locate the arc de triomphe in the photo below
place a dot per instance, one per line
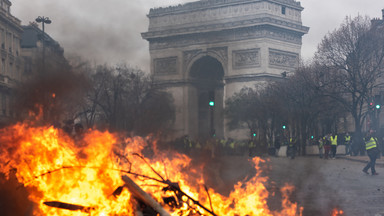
(205, 51)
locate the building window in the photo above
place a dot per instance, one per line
(27, 66)
(4, 104)
(2, 38)
(10, 71)
(283, 9)
(3, 66)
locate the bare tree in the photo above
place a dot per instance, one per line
(294, 102)
(244, 108)
(305, 106)
(126, 99)
(352, 57)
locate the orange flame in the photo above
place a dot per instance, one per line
(337, 212)
(86, 172)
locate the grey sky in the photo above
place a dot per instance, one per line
(109, 31)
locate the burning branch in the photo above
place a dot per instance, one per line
(153, 170)
(143, 196)
(98, 168)
(176, 189)
(209, 197)
(69, 206)
(134, 189)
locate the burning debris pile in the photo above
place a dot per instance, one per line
(105, 174)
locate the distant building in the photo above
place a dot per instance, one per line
(11, 61)
(377, 22)
(203, 52)
(32, 51)
(21, 52)
(376, 119)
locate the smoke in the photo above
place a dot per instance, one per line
(56, 94)
(109, 32)
(97, 30)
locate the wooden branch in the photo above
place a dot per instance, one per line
(143, 196)
(69, 206)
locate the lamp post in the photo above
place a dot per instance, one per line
(46, 98)
(43, 20)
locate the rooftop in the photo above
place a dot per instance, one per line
(214, 3)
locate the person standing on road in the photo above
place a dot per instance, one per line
(291, 150)
(372, 151)
(347, 144)
(327, 145)
(277, 145)
(334, 145)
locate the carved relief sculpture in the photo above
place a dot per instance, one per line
(165, 65)
(246, 58)
(283, 59)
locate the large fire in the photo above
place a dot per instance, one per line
(83, 176)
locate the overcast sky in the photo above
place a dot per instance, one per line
(109, 31)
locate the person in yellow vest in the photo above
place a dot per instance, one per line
(291, 149)
(372, 151)
(334, 145)
(223, 146)
(347, 144)
(251, 147)
(231, 146)
(187, 144)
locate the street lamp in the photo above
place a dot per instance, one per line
(43, 20)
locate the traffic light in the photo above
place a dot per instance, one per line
(377, 100)
(371, 106)
(254, 134)
(284, 127)
(211, 97)
(312, 137)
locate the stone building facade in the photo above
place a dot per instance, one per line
(11, 61)
(35, 58)
(21, 54)
(205, 51)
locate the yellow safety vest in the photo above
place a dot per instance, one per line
(223, 142)
(291, 142)
(321, 143)
(232, 145)
(347, 138)
(251, 144)
(370, 144)
(334, 140)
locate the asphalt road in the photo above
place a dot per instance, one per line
(321, 185)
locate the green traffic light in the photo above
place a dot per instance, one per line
(284, 127)
(311, 137)
(211, 103)
(254, 134)
(377, 106)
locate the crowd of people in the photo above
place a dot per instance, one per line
(327, 145)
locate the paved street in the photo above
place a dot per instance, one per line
(321, 185)
(325, 184)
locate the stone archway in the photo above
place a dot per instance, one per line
(191, 45)
(206, 75)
